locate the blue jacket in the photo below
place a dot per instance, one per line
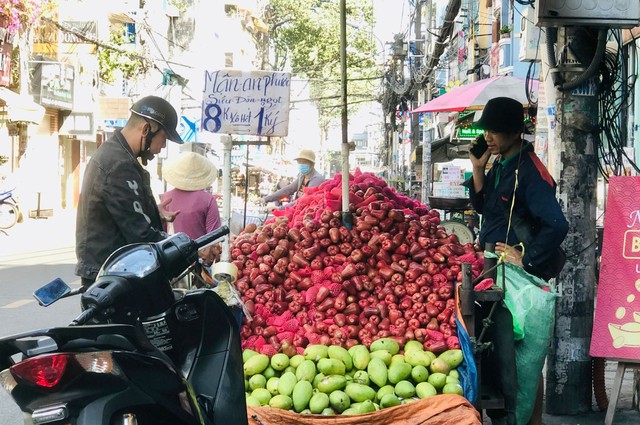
(535, 201)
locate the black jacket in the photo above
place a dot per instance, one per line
(116, 206)
(535, 202)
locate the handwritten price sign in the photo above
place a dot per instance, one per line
(246, 102)
(616, 327)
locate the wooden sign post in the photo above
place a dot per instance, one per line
(616, 326)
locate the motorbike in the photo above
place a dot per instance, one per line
(139, 353)
(9, 210)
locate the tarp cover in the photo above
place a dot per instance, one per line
(445, 409)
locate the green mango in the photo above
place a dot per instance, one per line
(328, 412)
(331, 367)
(388, 344)
(339, 353)
(438, 380)
(255, 364)
(419, 374)
(398, 372)
(362, 377)
(306, 371)
(279, 361)
(257, 381)
(405, 389)
(296, 360)
(247, 354)
(387, 389)
(359, 392)
(272, 385)
(452, 389)
(384, 355)
(281, 402)
(452, 357)
(262, 395)
(417, 357)
(316, 352)
(316, 379)
(339, 401)
(425, 389)
(413, 345)
(286, 383)
(330, 384)
(366, 406)
(377, 371)
(389, 400)
(302, 393)
(319, 401)
(252, 401)
(360, 356)
(440, 366)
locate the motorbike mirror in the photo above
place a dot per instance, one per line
(51, 292)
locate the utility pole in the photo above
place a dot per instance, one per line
(426, 136)
(569, 364)
(415, 118)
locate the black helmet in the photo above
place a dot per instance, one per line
(159, 110)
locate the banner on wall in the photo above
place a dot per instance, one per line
(616, 326)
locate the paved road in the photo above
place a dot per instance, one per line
(31, 254)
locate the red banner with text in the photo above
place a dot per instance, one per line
(616, 326)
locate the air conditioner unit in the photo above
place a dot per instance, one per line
(530, 38)
(598, 13)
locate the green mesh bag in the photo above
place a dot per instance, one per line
(533, 311)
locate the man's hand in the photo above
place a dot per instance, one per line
(167, 216)
(513, 255)
(210, 254)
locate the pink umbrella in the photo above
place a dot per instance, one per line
(475, 95)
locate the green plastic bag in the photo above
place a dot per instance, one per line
(533, 311)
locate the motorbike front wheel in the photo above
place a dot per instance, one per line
(8, 215)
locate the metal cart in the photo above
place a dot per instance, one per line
(468, 299)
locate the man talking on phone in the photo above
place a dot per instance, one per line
(518, 173)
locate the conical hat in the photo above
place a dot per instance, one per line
(189, 171)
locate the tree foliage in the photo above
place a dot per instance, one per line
(22, 14)
(305, 38)
(110, 60)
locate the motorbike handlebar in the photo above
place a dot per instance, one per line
(85, 316)
(211, 237)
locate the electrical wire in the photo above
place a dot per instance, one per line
(613, 100)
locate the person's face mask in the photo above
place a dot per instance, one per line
(304, 168)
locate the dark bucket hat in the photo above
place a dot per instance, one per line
(159, 110)
(503, 115)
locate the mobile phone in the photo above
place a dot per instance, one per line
(479, 147)
(51, 292)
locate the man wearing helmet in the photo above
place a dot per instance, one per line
(116, 205)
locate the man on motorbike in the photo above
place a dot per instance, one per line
(116, 205)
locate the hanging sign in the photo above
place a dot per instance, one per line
(616, 326)
(246, 102)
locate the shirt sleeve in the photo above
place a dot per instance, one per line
(316, 180)
(544, 209)
(476, 198)
(288, 190)
(126, 201)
